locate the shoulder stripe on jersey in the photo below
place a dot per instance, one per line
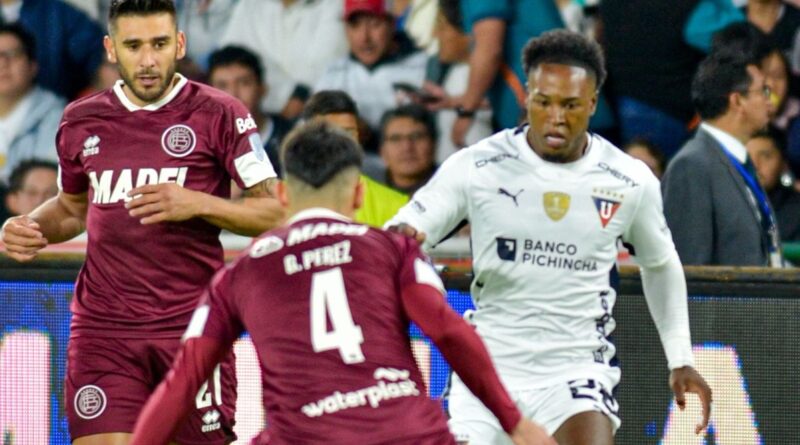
(198, 323)
(426, 274)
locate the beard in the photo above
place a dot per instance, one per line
(152, 94)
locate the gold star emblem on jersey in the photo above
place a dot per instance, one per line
(556, 205)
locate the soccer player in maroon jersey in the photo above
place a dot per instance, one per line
(327, 302)
(145, 169)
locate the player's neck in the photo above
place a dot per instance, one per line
(295, 208)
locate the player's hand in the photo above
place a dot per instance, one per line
(409, 231)
(23, 238)
(687, 379)
(459, 132)
(157, 203)
(529, 433)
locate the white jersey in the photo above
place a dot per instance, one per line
(544, 240)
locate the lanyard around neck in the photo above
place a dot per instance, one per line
(752, 184)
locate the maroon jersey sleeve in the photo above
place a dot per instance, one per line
(71, 176)
(216, 315)
(214, 327)
(424, 302)
(240, 148)
(171, 402)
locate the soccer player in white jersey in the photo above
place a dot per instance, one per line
(547, 203)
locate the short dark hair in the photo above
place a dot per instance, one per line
(121, 8)
(416, 112)
(236, 55)
(315, 152)
(565, 47)
(328, 102)
(775, 135)
(719, 75)
(741, 38)
(451, 11)
(23, 168)
(27, 39)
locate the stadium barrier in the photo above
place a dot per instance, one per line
(745, 330)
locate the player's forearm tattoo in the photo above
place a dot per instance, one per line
(264, 189)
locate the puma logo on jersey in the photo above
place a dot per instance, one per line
(505, 192)
(111, 187)
(244, 124)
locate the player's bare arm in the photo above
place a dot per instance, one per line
(251, 216)
(687, 379)
(61, 218)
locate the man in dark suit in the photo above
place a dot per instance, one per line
(717, 211)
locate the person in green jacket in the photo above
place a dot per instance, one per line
(336, 107)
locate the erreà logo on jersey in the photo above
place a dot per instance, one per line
(607, 204)
(111, 187)
(244, 124)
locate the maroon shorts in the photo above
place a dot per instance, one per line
(109, 380)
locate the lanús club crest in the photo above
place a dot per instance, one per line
(178, 140)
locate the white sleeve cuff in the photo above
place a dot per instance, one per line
(678, 349)
(665, 291)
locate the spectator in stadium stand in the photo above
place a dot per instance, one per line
(29, 114)
(449, 80)
(32, 183)
(647, 152)
(358, 382)
(158, 153)
(69, 45)
(650, 69)
(778, 19)
(500, 30)
(408, 147)
(745, 37)
(380, 202)
(547, 203)
(294, 39)
(716, 209)
(204, 22)
(765, 150)
(238, 72)
(379, 59)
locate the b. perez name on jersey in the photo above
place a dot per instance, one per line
(551, 254)
(111, 187)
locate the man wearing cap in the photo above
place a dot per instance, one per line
(380, 57)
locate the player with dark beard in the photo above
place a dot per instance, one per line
(145, 169)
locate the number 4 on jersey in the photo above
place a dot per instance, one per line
(329, 301)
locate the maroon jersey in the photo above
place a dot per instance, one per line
(321, 300)
(144, 280)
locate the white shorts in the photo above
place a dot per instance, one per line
(550, 406)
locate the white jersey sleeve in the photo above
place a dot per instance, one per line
(663, 280)
(438, 207)
(648, 231)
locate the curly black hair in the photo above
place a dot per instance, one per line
(566, 48)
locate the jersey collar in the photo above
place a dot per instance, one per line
(528, 152)
(130, 106)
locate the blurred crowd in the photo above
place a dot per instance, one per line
(425, 78)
